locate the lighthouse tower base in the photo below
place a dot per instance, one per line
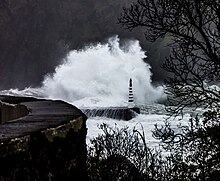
(131, 105)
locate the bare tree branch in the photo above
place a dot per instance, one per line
(192, 27)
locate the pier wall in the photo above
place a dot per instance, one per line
(49, 143)
(120, 113)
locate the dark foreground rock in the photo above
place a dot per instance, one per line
(49, 143)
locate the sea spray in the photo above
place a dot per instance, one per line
(99, 75)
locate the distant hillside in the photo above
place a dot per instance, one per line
(36, 34)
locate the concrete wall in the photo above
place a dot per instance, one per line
(49, 144)
(55, 154)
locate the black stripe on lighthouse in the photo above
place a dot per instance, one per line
(130, 96)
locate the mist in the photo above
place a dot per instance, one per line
(35, 36)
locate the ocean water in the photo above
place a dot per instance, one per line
(98, 76)
(145, 121)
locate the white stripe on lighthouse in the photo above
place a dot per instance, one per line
(130, 95)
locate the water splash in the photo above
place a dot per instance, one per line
(99, 75)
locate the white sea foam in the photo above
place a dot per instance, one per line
(99, 76)
(142, 122)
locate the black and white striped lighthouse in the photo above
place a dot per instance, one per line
(130, 95)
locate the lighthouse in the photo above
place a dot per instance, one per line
(130, 95)
(121, 113)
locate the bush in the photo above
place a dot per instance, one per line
(192, 153)
(122, 154)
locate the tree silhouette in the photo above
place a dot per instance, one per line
(192, 30)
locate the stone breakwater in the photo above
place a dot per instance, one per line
(44, 140)
(120, 113)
